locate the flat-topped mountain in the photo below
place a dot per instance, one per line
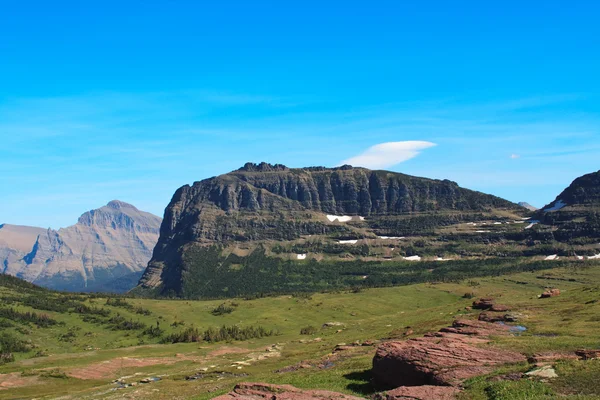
(276, 209)
(107, 249)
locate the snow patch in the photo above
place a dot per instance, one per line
(390, 237)
(557, 206)
(301, 256)
(482, 231)
(552, 257)
(361, 218)
(497, 223)
(339, 218)
(579, 257)
(596, 257)
(413, 258)
(347, 241)
(531, 224)
(442, 259)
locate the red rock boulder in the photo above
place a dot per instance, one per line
(445, 358)
(435, 361)
(550, 293)
(257, 391)
(426, 392)
(483, 303)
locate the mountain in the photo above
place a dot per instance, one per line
(111, 243)
(15, 242)
(582, 192)
(527, 206)
(265, 213)
(575, 213)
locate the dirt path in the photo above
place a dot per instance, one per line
(111, 368)
(14, 380)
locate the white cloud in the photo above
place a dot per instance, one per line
(514, 156)
(385, 155)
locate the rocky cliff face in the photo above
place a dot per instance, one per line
(272, 202)
(106, 244)
(575, 213)
(583, 191)
(16, 242)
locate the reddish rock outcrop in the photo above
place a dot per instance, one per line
(550, 293)
(426, 392)
(483, 303)
(257, 391)
(588, 354)
(445, 358)
(550, 357)
(499, 308)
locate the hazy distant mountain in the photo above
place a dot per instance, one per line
(111, 243)
(15, 242)
(527, 206)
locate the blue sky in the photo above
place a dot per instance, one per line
(130, 100)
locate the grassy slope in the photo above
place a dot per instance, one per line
(567, 322)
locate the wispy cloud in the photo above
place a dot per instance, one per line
(388, 154)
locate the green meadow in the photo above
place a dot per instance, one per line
(82, 353)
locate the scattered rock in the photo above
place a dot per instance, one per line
(426, 392)
(550, 293)
(546, 372)
(499, 308)
(484, 303)
(332, 324)
(550, 357)
(257, 391)
(588, 354)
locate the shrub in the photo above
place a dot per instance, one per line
(120, 323)
(41, 320)
(225, 333)
(222, 309)
(308, 330)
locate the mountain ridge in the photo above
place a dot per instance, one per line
(106, 243)
(261, 202)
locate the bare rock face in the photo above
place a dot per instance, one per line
(446, 358)
(15, 242)
(108, 249)
(550, 293)
(257, 391)
(426, 392)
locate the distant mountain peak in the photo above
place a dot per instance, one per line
(113, 241)
(118, 204)
(528, 206)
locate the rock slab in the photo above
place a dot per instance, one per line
(446, 358)
(257, 391)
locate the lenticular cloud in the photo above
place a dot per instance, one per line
(385, 155)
